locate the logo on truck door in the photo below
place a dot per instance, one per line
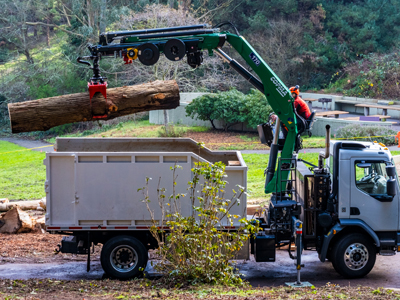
(255, 59)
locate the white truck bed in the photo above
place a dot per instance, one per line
(92, 183)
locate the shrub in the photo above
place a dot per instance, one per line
(257, 108)
(231, 107)
(373, 76)
(380, 134)
(194, 250)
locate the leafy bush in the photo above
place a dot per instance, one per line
(194, 250)
(373, 76)
(231, 107)
(380, 134)
(257, 108)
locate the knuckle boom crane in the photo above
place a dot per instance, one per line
(176, 42)
(347, 209)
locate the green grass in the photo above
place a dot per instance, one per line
(313, 142)
(255, 174)
(256, 164)
(141, 128)
(22, 172)
(253, 143)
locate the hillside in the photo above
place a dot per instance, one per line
(342, 47)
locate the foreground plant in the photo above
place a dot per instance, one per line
(195, 248)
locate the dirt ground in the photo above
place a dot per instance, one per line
(215, 140)
(35, 248)
(39, 273)
(146, 289)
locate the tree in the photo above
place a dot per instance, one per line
(366, 26)
(212, 75)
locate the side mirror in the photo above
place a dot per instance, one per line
(391, 187)
(391, 171)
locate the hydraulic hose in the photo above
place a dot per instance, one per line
(273, 154)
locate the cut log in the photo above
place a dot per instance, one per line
(4, 200)
(39, 225)
(24, 205)
(253, 209)
(43, 114)
(16, 221)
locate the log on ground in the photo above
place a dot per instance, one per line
(24, 205)
(16, 221)
(43, 114)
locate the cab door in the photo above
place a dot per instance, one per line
(368, 197)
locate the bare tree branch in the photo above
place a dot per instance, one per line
(53, 25)
(226, 4)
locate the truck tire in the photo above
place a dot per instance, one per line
(124, 257)
(353, 256)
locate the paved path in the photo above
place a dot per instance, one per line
(30, 144)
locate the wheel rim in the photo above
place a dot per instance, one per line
(124, 258)
(356, 256)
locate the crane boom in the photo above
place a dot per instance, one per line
(176, 42)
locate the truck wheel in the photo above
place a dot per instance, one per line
(124, 257)
(353, 256)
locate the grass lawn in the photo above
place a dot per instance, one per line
(253, 143)
(141, 128)
(255, 174)
(22, 172)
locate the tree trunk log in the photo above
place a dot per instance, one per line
(43, 114)
(16, 221)
(23, 205)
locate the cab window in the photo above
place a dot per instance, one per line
(371, 177)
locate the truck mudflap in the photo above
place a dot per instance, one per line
(343, 223)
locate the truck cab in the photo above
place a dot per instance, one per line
(359, 217)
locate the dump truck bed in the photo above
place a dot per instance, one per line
(93, 183)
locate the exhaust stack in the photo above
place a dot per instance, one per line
(325, 155)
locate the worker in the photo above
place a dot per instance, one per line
(300, 106)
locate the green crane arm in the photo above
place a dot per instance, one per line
(147, 45)
(278, 96)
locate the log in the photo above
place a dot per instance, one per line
(252, 209)
(43, 114)
(39, 224)
(24, 205)
(16, 221)
(4, 200)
